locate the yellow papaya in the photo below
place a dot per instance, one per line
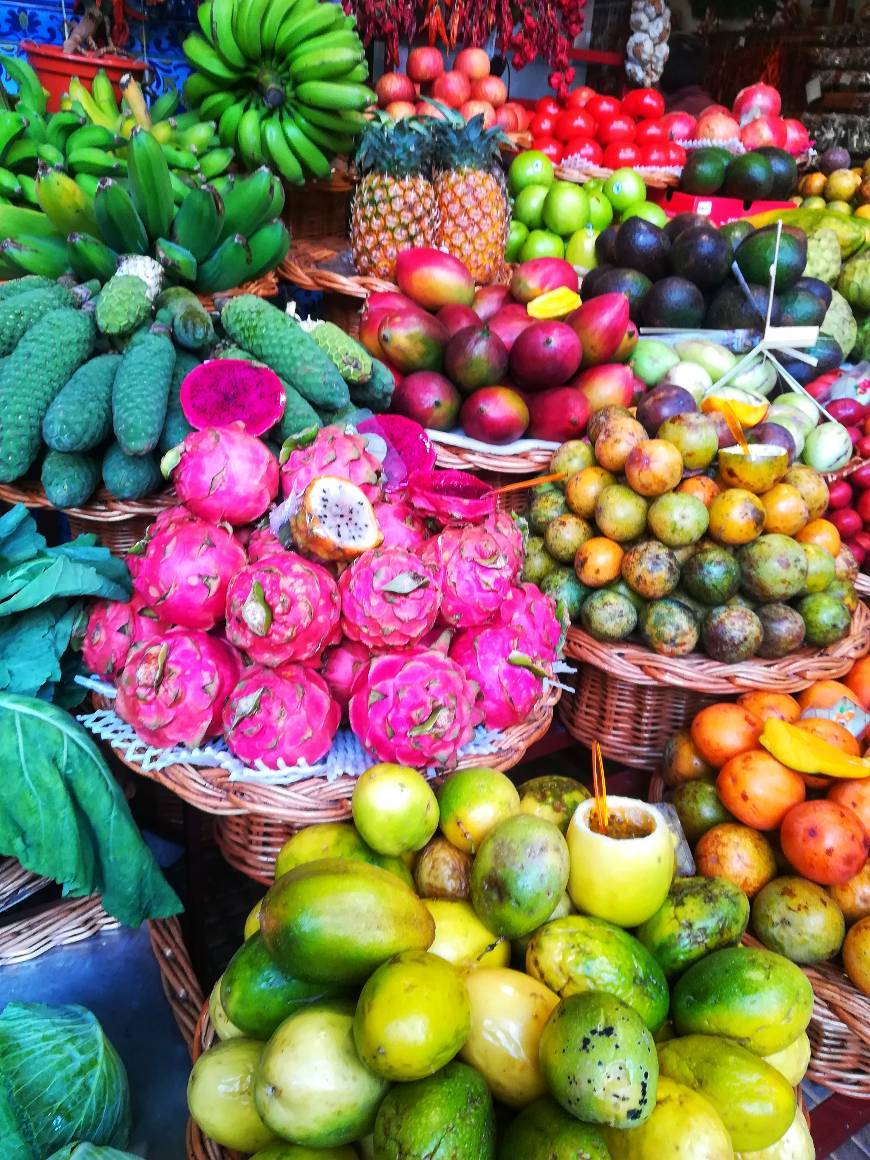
(806, 753)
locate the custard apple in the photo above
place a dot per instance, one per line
(854, 282)
(123, 305)
(141, 266)
(839, 322)
(823, 256)
(861, 350)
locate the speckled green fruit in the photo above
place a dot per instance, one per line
(827, 619)
(519, 874)
(300, 1152)
(698, 916)
(608, 615)
(798, 919)
(472, 802)
(570, 458)
(699, 809)
(220, 1095)
(792, 1061)
(548, 502)
(394, 808)
(677, 519)
(543, 1131)
(562, 584)
(553, 798)
(821, 569)
(669, 628)
(448, 1116)
(538, 562)
(773, 567)
(599, 1060)
(712, 576)
(565, 536)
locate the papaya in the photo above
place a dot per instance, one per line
(336, 921)
(753, 996)
(577, 954)
(754, 1101)
(698, 916)
(850, 231)
(257, 995)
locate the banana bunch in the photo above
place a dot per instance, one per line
(284, 79)
(90, 136)
(211, 241)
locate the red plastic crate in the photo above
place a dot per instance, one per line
(718, 209)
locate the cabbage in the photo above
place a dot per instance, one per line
(60, 1081)
(91, 1152)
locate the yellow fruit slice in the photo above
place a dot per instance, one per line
(554, 304)
(746, 409)
(808, 754)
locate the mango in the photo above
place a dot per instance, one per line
(434, 279)
(462, 939)
(755, 1102)
(683, 1126)
(553, 798)
(334, 840)
(796, 1144)
(220, 1021)
(792, 1061)
(447, 1115)
(533, 278)
(335, 921)
(413, 342)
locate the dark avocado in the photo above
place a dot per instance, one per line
(785, 171)
(730, 310)
(702, 256)
(704, 172)
(755, 256)
(684, 221)
(816, 286)
(673, 302)
(736, 231)
(605, 245)
(799, 307)
(749, 177)
(591, 279)
(829, 354)
(642, 246)
(619, 280)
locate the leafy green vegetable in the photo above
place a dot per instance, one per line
(41, 591)
(90, 1152)
(62, 1080)
(63, 815)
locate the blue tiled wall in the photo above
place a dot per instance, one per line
(159, 42)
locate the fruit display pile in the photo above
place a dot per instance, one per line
(443, 957)
(753, 122)
(837, 185)
(763, 174)
(424, 632)
(285, 82)
(772, 793)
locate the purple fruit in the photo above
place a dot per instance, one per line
(661, 403)
(774, 435)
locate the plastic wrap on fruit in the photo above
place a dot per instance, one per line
(845, 712)
(805, 753)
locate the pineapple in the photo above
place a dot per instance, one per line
(394, 206)
(472, 196)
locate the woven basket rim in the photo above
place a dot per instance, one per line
(531, 462)
(844, 472)
(302, 267)
(316, 799)
(177, 976)
(639, 665)
(264, 287)
(102, 508)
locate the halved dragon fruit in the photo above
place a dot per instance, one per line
(409, 448)
(332, 452)
(450, 496)
(335, 520)
(223, 473)
(230, 390)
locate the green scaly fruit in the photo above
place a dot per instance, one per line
(130, 476)
(80, 417)
(150, 185)
(140, 393)
(352, 359)
(198, 221)
(19, 313)
(122, 306)
(69, 478)
(118, 221)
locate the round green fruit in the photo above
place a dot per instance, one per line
(542, 244)
(624, 188)
(220, 1095)
(472, 803)
(566, 208)
(517, 235)
(580, 248)
(600, 209)
(649, 211)
(394, 809)
(543, 1131)
(529, 206)
(530, 168)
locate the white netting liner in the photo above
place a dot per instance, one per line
(345, 758)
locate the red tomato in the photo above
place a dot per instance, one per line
(548, 105)
(601, 107)
(574, 123)
(655, 155)
(549, 146)
(648, 132)
(579, 98)
(643, 103)
(585, 148)
(616, 128)
(543, 124)
(619, 153)
(676, 154)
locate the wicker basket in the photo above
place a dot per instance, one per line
(319, 209)
(844, 472)
(839, 1030)
(265, 287)
(315, 799)
(180, 984)
(631, 699)
(862, 585)
(119, 523)
(490, 466)
(251, 843)
(62, 923)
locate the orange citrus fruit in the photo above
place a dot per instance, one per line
(821, 532)
(598, 562)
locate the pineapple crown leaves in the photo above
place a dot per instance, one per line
(461, 144)
(395, 147)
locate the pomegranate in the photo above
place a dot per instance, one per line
(474, 62)
(761, 132)
(424, 64)
(758, 100)
(395, 86)
(398, 110)
(479, 109)
(716, 127)
(491, 89)
(452, 89)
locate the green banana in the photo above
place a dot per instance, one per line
(331, 95)
(29, 86)
(198, 221)
(10, 186)
(64, 203)
(214, 105)
(228, 125)
(93, 111)
(337, 38)
(49, 155)
(221, 33)
(333, 143)
(103, 92)
(60, 127)
(184, 120)
(37, 129)
(22, 155)
(358, 75)
(184, 159)
(280, 153)
(163, 132)
(150, 186)
(276, 205)
(276, 13)
(203, 18)
(92, 137)
(28, 190)
(206, 59)
(227, 266)
(180, 186)
(178, 262)
(249, 138)
(326, 64)
(18, 221)
(91, 258)
(247, 27)
(344, 123)
(215, 162)
(12, 125)
(322, 18)
(97, 162)
(197, 86)
(88, 182)
(269, 246)
(197, 136)
(223, 185)
(246, 205)
(48, 257)
(166, 104)
(118, 221)
(307, 152)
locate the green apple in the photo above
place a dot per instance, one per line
(529, 206)
(580, 250)
(566, 208)
(542, 244)
(594, 185)
(649, 211)
(516, 237)
(623, 188)
(600, 209)
(530, 168)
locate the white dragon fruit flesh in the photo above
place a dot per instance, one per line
(282, 608)
(223, 473)
(280, 715)
(173, 688)
(389, 598)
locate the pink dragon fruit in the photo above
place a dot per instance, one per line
(400, 525)
(285, 714)
(333, 452)
(476, 573)
(113, 628)
(185, 572)
(342, 666)
(510, 535)
(389, 598)
(281, 609)
(173, 688)
(263, 542)
(223, 473)
(534, 617)
(416, 707)
(508, 691)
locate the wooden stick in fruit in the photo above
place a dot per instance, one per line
(525, 484)
(599, 787)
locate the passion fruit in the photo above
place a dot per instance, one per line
(678, 520)
(669, 628)
(651, 570)
(607, 616)
(756, 470)
(736, 517)
(472, 802)
(731, 634)
(620, 513)
(566, 535)
(394, 808)
(442, 871)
